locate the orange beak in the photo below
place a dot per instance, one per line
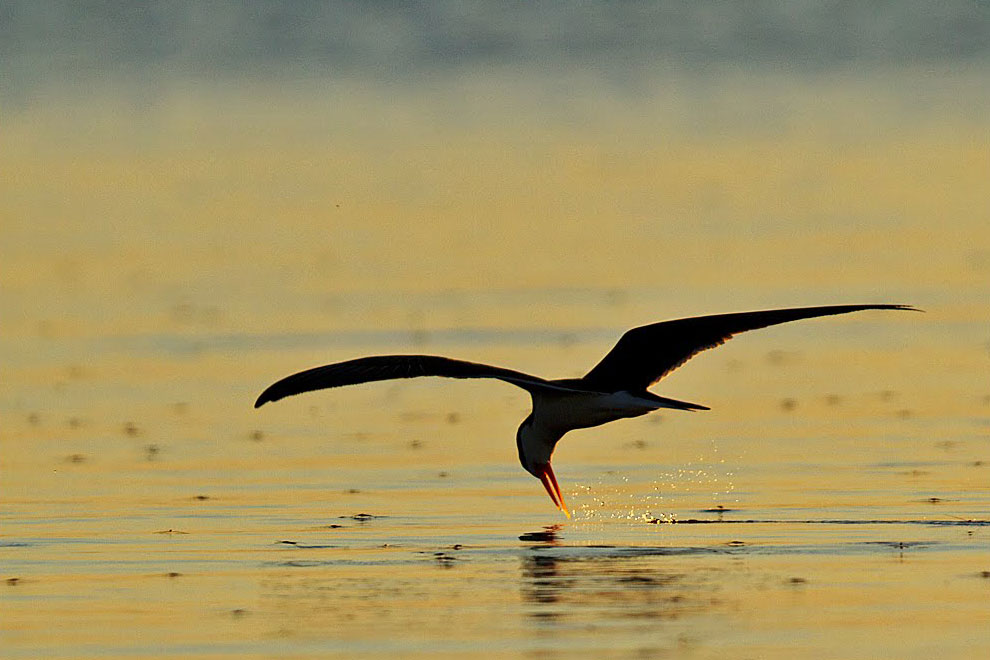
(550, 483)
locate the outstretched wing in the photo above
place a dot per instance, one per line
(646, 354)
(387, 367)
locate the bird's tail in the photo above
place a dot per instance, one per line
(664, 402)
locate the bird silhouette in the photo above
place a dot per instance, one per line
(615, 388)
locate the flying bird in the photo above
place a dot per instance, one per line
(615, 388)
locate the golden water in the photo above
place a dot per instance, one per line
(161, 265)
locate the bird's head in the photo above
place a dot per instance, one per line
(535, 449)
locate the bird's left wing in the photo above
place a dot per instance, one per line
(387, 367)
(646, 354)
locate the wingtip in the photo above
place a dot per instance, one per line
(892, 306)
(262, 400)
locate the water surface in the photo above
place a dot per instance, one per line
(176, 235)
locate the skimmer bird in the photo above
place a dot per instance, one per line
(614, 389)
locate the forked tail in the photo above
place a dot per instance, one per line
(664, 402)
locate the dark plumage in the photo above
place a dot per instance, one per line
(615, 388)
(646, 354)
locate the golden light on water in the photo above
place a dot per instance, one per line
(171, 246)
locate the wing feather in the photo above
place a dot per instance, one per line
(388, 367)
(646, 354)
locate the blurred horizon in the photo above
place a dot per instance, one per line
(706, 155)
(621, 47)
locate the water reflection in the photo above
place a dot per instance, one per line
(541, 580)
(599, 585)
(546, 536)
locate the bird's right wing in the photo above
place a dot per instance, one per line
(646, 354)
(388, 367)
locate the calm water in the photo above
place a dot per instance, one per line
(181, 224)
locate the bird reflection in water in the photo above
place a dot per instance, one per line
(595, 584)
(546, 536)
(541, 583)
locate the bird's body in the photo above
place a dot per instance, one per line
(556, 413)
(580, 410)
(616, 388)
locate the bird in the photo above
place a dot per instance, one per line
(615, 388)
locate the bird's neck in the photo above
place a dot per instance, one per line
(536, 443)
